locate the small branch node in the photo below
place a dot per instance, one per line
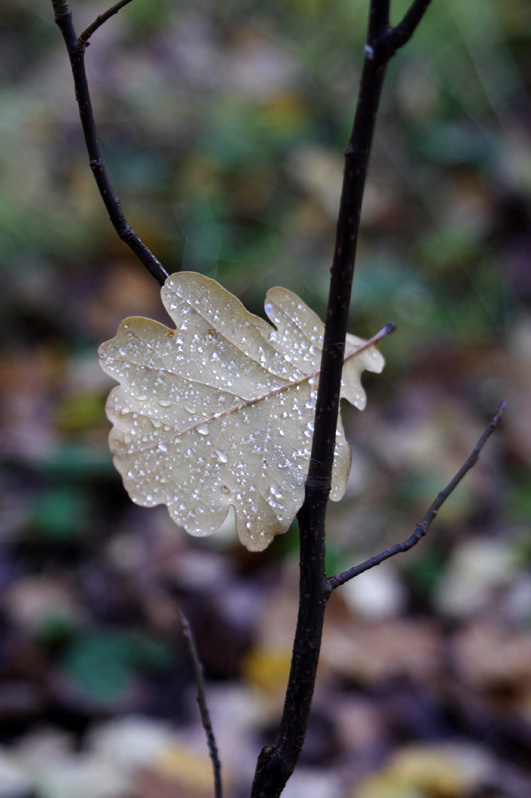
(350, 151)
(61, 8)
(125, 232)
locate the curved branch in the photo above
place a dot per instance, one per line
(422, 527)
(76, 53)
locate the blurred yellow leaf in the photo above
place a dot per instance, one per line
(186, 766)
(268, 668)
(429, 771)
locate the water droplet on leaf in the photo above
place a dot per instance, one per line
(246, 389)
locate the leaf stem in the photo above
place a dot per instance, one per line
(76, 52)
(422, 527)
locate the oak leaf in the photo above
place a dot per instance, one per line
(219, 412)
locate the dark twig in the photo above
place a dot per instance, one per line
(99, 21)
(378, 20)
(277, 761)
(203, 708)
(424, 525)
(379, 336)
(405, 29)
(76, 53)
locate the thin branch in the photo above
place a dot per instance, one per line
(402, 33)
(99, 21)
(424, 525)
(76, 54)
(202, 703)
(380, 335)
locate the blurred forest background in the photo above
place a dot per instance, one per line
(223, 126)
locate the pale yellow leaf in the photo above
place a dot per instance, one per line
(219, 412)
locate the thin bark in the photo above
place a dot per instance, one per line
(76, 53)
(277, 761)
(203, 706)
(422, 527)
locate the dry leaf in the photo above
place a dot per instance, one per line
(219, 412)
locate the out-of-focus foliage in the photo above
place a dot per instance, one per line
(223, 126)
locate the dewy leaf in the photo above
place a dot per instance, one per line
(219, 412)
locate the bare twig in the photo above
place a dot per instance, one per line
(277, 761)
(98, 22)
(379, 336)
(424, 525)
(76, 53)
(405, 29)
(203, 707)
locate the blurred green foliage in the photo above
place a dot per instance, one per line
(103, 664)
(60, 513)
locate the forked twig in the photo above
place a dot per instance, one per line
(76, 52)
(203, 707)
(422, 527)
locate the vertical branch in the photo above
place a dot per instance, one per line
(76, 52)
(277, 761)
(378, 20)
